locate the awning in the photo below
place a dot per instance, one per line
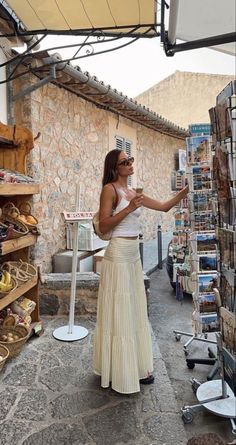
(135, 17)
(212, 21)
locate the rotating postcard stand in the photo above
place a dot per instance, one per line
(72, 332)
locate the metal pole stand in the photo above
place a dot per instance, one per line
(159, 246)
(178, 335)
(72, 332)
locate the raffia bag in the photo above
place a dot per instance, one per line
(14, 286)
(9, 216)
(95, 220)
(30, 220)
(21, 270)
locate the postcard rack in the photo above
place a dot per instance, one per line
(202, 210)
(219, 396)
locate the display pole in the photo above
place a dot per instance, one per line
(72, 332)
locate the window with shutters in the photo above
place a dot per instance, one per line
(125, 145)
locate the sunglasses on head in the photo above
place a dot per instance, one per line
(126, 162)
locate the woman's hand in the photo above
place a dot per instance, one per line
(136, 202)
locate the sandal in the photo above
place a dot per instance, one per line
(148, 380)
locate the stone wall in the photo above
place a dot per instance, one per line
(55, 292)
(71, 149)
(185, 98)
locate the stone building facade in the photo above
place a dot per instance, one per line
(75, 136)
(185, 97)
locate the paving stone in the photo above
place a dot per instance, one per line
(7, 399)
(28, 354)
(32, 405)
(59, 434)
(69, 405)
(13, 432)
(70, 354)
(59, 377)
(114, 425)
(165, 429)
(49, 361)
(23, 374)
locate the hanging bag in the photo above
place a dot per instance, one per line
(103, 236)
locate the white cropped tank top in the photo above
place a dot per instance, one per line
(130, 225)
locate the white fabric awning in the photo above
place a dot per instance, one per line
(191, 20)
(81, 15)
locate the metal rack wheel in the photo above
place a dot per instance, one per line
(177, 337)
(195, 385)
(186, 351)
(187, 415)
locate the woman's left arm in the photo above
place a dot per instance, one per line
(166, 205)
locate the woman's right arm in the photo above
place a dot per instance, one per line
(107, 199)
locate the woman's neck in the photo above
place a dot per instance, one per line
(123, 183)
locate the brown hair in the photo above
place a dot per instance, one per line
(110, 164)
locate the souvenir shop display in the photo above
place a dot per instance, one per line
(19, 280)
(216, 290)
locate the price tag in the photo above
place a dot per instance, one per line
(77, 216)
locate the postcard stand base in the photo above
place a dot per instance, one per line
(210, 396)
(178, 335)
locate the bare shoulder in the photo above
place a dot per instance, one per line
(108, 190)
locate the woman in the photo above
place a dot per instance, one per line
(122, 342)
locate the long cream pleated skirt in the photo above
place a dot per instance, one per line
(122, 342)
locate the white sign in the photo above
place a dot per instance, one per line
(77, 216)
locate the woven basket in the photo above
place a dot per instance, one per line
(14, 286)
(7, 232)
(15, 346)
(25, 209)
(21, 270)
(19, 228)
(4, 351)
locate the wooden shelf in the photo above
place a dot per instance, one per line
(16, 244)
(21, 290)
(12, 189)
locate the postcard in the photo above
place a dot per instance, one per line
(220, 172)
(227, 289)
(228, 328)
(227, 246)
(200, 178)
(209, 322)
(203, 242)
(206, 302)
(200, 202)
(207, 282)
(207, 262)
(202, 221)
(198, 149)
